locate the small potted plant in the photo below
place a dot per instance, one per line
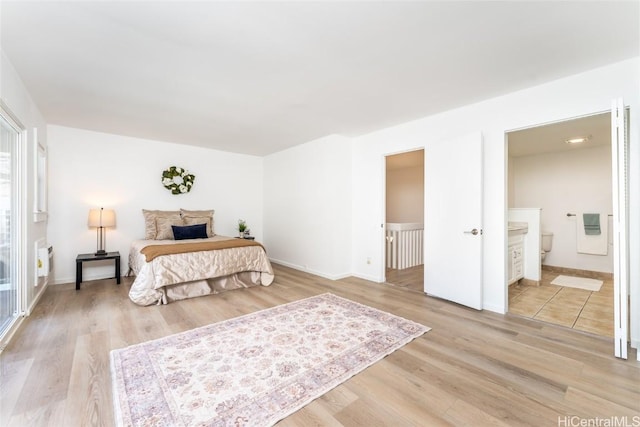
(242, 226)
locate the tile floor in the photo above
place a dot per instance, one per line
(574, 308)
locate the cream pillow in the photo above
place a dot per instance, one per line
(150, 216)
(199, 217)
(193, 220)
(163, 227)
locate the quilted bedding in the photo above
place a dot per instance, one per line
(186, 275)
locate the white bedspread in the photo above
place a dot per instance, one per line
(166, 270)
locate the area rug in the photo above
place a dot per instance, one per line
(255, 369)
(578, 282)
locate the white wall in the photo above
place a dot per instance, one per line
(298, 187)
(405, 195)
(17, 100)
(92, 169)
(568, 182)
(307, 209)
(574, 96)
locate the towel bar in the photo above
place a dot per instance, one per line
(570, 214)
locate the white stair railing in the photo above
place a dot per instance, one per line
(405, 242)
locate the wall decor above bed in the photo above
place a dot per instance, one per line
(177, 180)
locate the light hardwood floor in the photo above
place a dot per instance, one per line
(411, 278)
(472, 369)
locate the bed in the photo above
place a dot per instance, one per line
(169, 270)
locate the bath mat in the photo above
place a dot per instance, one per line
(255, 369)
(578, 282)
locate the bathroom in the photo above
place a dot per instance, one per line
(552, 181)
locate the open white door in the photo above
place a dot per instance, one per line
(453, 220)
(619, 165)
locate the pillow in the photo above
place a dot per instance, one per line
(194, 220)
(199, 217)
(163, 227)
(150, 216)
(198, 231)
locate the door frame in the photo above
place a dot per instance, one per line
(383, 242)
(620, 165)
(506, 196)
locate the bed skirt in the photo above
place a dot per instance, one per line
(217, 285)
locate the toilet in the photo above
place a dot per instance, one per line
(547, 239)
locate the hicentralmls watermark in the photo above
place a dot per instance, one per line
(614, 421)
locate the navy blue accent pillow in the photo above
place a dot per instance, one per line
(198, 231)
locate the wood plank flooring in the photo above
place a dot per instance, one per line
(472, 369)
(411, 278)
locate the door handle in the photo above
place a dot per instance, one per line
(475, 232)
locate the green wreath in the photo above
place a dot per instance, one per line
(177, 180)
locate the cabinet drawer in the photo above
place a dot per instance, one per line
(517, 253)
(518, 270)
(514, 240)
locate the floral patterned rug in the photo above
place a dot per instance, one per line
(255, 369)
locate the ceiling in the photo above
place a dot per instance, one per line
(259, 77)
(551, 138)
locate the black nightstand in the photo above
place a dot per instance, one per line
(93, 257)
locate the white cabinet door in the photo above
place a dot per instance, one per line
(453, 220)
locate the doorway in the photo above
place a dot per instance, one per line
(563, 170)
(453, 199)
(404, 227)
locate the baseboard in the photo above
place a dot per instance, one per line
(14, 329)
(36, 300)
(311, 271)
(493, 308)
(341, 276)
(12, 332)
(529, 282)
(601, 275)
(374, 279)
(64, 281)
(85, 278)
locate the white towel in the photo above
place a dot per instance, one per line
(593, 245)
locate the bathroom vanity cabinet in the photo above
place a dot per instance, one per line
(516, 257)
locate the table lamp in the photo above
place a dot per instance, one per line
(101, 219)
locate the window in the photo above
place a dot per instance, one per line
(9, 224)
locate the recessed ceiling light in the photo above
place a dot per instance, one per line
(578, 140)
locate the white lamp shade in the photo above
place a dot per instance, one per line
(102, 218)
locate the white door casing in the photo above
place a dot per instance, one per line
(619, 170)
(453, 220)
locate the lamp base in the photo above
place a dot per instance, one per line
(100, 239)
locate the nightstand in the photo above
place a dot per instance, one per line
(93, 257)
